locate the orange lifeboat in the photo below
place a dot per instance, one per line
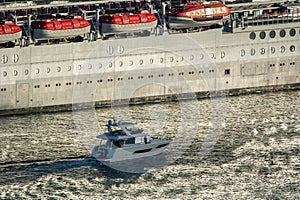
(60, 28)
(9, 31)
(116, 23)
(197, 13)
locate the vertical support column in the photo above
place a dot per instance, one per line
(97, 23)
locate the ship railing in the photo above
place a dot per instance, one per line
(261, 20)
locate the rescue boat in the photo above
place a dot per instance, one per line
(9, 31)
(68, 27)
(117, 23)
(198, 13)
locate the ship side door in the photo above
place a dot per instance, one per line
(22, 96)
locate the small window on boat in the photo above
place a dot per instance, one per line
(151, 60)
(48, 70)
(292, 32)
(282, 49)
(262, 51)
(227, 71)
(272, 50)
(26, 71)
(262, 35)
(171, 59)
(58, 69)
(252, 36)
(272, 34)
(90, 66)
(282, 33)
(191, 57)
(15, 73)
(131, 63)
(4, 73)
(79, 67)
(69, 68)
(100, 65)
(161, 60)
(222, 54)
(141, 61)
(37, 71)
(121, 63)
(201, 56)
(292, 48)
(110, 65)
(242, 52)
(252, 52)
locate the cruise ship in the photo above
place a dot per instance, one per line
(67, 55)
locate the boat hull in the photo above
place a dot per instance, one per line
(125, 28)
(39, 34)
(10, 37)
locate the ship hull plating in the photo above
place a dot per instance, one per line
(142, 69)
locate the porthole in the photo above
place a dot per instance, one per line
(292, 48)
(222, 54)
(79, 67)
(90, 66)
(120, 63)
(161, 60)
(262, 35)
(58, 69)
(110, 65)
(171, 59)
(48, 70)
(282, 33)
(100, 65)
(272, 50)
(252, 52)
(282, 49)
(262, 51)
(201, 56)
(4, 73)
(37, 71)
(69, 68)
(181, 58)
(141, 61)
(191, 57)
(131, 63)
(242, 52)
(252, 36)
(151, 60)
(15, 73)
(26, 71)
(272, 34)
(292, 32)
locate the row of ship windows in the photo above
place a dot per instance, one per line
(282, 64)
(227, 72)
(272, 34)
(272, 50)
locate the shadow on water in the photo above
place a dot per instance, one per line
(76, 169)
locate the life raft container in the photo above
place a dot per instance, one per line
(116, 23)
(60, 28)
(9, 31)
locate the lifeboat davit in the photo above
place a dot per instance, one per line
(71, 26)
(198, 13)
(9, 31)
(117, 23)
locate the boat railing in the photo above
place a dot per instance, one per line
(263, 20)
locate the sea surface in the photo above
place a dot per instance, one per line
(241, 147)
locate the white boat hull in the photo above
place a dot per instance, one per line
(121, 28)
(10, 37)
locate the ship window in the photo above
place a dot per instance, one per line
(191, 57)
(272, 65)
(58, 69)
(79, 67)
(110, 65)
(3, 89)
(131, 63)
(141, 61)
(161, 60)
(48, 70)
(100, 65)
(171, 59)
(4, 73)
(37, 71)
(26, 71)
(252, 52)
(262, 35)
(151, 60)
(201, 56)
(222, 54)
(282, 49)
(272, 34)
(227, 71)
(99, 81)
(243, 52)
(121, 63)
(252, 36)
(90, 66)
(272, 50)
(262, 51)
(15, 73)
(69, 68)
(120, 79)
(181, 58)
(292, 48)
(292, 32)
(282, 33)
